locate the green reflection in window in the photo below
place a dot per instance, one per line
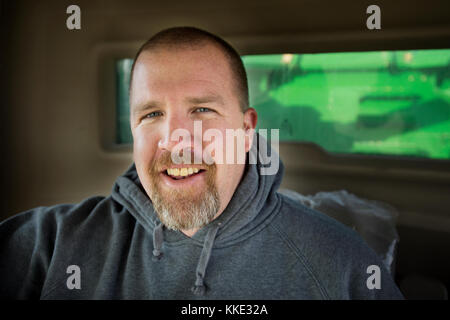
(385, 102)
(391, 103)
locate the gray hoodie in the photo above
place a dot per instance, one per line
(263, 246)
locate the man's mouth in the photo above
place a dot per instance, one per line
(182, 173)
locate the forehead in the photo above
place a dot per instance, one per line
(180, 70)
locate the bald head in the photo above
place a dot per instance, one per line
(180, 38)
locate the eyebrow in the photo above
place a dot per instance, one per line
(147, 106)
(212, 98)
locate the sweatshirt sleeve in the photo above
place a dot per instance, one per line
(367, 277)
(26, 246)
(340, 261)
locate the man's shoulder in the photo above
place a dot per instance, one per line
(321, 240)
(58, 216)
(300, 221)
(336, 256)
(63, 226)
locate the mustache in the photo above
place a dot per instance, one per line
(165, 161)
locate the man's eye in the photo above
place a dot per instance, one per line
(203, 110)
(153, 114)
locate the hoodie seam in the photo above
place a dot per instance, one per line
(302, 258)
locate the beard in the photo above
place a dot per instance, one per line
(189, 208)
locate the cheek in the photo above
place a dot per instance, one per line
(145, 146)
(223, 149)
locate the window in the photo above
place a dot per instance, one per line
(385, 102)
(123, 129)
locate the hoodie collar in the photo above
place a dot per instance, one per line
(252, 202)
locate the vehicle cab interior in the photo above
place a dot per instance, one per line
(361, 109)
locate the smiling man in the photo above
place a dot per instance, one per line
(180, 224)
(179, 78)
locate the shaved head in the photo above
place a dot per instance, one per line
(179, 38)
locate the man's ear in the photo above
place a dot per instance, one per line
(250, 120)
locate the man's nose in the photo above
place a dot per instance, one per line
(178, 130)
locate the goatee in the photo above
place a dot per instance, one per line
(188, 208)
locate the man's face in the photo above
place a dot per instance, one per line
(172, 89)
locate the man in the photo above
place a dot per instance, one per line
(183, 223)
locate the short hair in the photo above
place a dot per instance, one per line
(190, 37)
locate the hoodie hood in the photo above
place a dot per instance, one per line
(250, 208)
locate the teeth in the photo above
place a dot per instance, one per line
(181, 171)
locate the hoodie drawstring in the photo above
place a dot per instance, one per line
(158, 238)
(199, 288)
